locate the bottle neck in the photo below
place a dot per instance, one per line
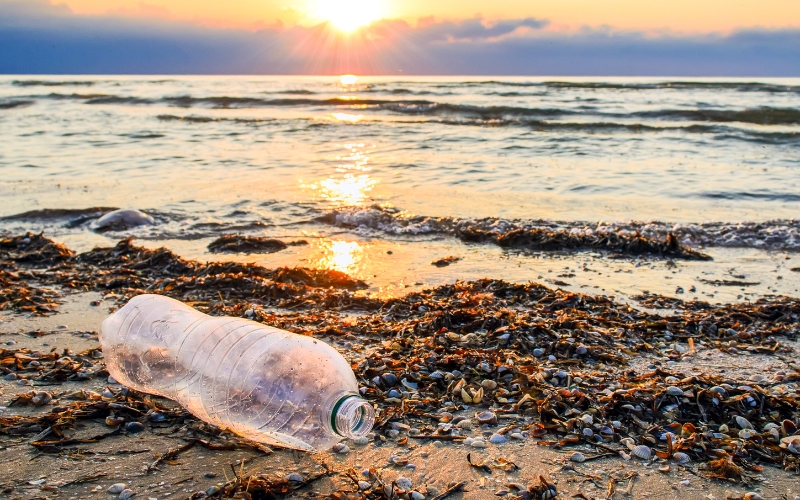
(352, 417)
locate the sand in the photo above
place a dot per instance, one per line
(87, 470)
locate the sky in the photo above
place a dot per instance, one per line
(756, 38)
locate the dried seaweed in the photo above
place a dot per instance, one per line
(246, 244)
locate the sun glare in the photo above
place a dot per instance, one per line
(348, 15)
(348, 79)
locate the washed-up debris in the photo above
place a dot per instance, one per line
(655, 301)
(50, 367)
(250, 244)
(17, 294)
(466, 361)
(445, 261)
(33, 249)
(262, 485)
(730, 282)
(123, 219)
(537, 235)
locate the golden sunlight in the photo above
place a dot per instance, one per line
(344, 256)
(348, 79)
(348, 15)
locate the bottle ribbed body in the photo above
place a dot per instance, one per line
(266, 384)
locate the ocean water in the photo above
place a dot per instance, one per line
(361, 169)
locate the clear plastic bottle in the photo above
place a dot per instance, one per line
(260, 382)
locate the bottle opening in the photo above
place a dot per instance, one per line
(352, 417)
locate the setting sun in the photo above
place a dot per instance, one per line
(348, 15)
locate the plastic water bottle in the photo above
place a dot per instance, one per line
(265, 384)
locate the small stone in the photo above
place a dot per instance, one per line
(416, 495)
(341, 448)
(10, 376)
(212, 490)
(685, 482)
(497, 439)
(116, 488)
(360, 440)
(538, 352)
(294, 477)
(209, 475)
(489, 384)
(517, 435)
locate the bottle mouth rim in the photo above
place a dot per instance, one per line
(352, 417)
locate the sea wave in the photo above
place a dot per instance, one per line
(14, 104)
(677, 85)
(770, 235)
(762, 115)
(50, 83)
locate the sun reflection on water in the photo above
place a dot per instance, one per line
(347, 117)
(351, 183)
(344, 256)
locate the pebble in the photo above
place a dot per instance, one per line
(496, 439)
(685, 482)
(489, 384)
(10, 376)
(341, 448)
(294, 477)
(416, 495)
(538, 352)
(116, 488)
(212, 490)
(517, 435)
(361, 440)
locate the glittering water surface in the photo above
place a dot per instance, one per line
(208, 156)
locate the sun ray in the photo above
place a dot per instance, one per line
(348, 15)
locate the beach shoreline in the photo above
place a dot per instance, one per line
(460, 325)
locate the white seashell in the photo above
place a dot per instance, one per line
(416, 495)
(294, 477)
(116, 489)
(674, 391)
(587, 419)
(465, 425)
(630, 443)
(364, 485)
(624, 455)
(478, 443)
(792, 444)
(642, 451)
(743, 422)
(723, 429)
(360, 440)
(489, 384)
(498, 439)
(747, 433)
(403, 483)
(577, 457)
(681, 458)
(341, 448)
(41, 398)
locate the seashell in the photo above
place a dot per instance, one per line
(616, 424)
(478, 443)
(517, 435)
(788, 428)
(126, 494)
(489, 384)
(486, 417)
(752, 496)
(681, 458)
(134, 427)
(403, 483)
(538, 352)
(771, 425)
(113, 421)
(416, 495)
(674, 391)
(688, 429)
(747, 433)
(41, 398)
(664, 468)
(577, 457)
(792, 444)
(465, 425)
(743, 422)
(364, 485)
(294, 477)
(718, 390)
(411, 386)
(723, 428)
(629, 442)
(360, 440)
(625, 456)
(340, 448)
(586, 419)
(478, 396)
(116, 489)
(587, 432)
(642, 451)
(398, 460)
(460, 386)
(498, 439)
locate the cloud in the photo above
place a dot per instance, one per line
(37, 37)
